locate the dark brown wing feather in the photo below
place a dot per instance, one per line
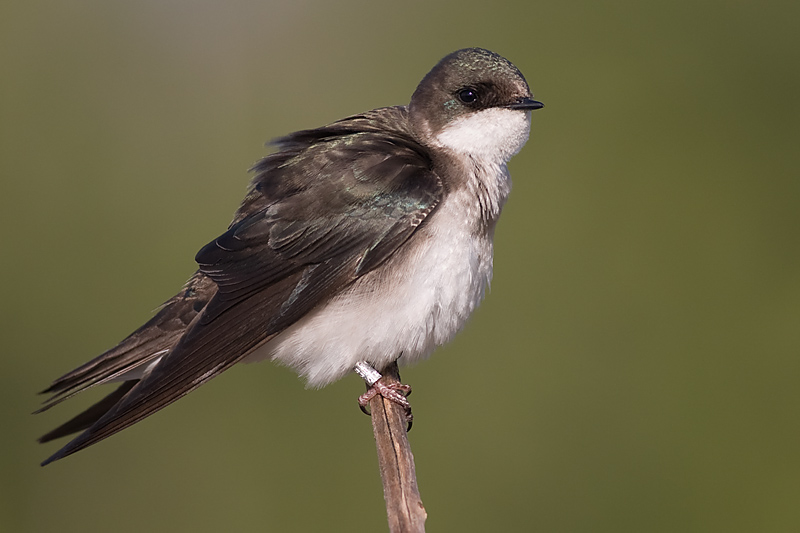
(330, 207)
(91, 415)
(156, 337)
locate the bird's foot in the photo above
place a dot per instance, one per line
(393, 391)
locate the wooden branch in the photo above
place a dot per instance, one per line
(404, 507)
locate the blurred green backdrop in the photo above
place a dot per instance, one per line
(634, 368)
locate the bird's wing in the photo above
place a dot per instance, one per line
(86, 418)
(151, 341)
(328, 214)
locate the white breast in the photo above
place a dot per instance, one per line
(414, 302)
(418, 300)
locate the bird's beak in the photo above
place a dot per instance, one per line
(527, 104)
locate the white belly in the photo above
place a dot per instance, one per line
(419, 299)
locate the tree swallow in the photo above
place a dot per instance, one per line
(360, 243)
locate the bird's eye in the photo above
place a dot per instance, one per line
(468, 96)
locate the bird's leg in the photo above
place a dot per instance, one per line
(377, 385)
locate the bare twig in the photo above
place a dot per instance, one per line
(403, 504)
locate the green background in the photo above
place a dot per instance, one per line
(634, 368)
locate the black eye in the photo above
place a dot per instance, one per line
(468, 96)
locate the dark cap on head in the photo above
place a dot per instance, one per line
(467, 81)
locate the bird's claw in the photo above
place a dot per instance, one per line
(394, 392)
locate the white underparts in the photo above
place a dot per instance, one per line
(411, 304)
(423, 295)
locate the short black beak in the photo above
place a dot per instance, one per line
(526, 103)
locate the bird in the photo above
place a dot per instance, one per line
(359, 244)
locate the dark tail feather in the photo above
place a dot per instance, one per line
(91, 415)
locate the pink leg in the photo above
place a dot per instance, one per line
(394, 392)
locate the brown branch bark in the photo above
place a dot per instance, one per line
(404, 507)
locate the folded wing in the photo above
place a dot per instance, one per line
(329, 207)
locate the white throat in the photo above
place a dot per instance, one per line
(494, 134)
(486, 140)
